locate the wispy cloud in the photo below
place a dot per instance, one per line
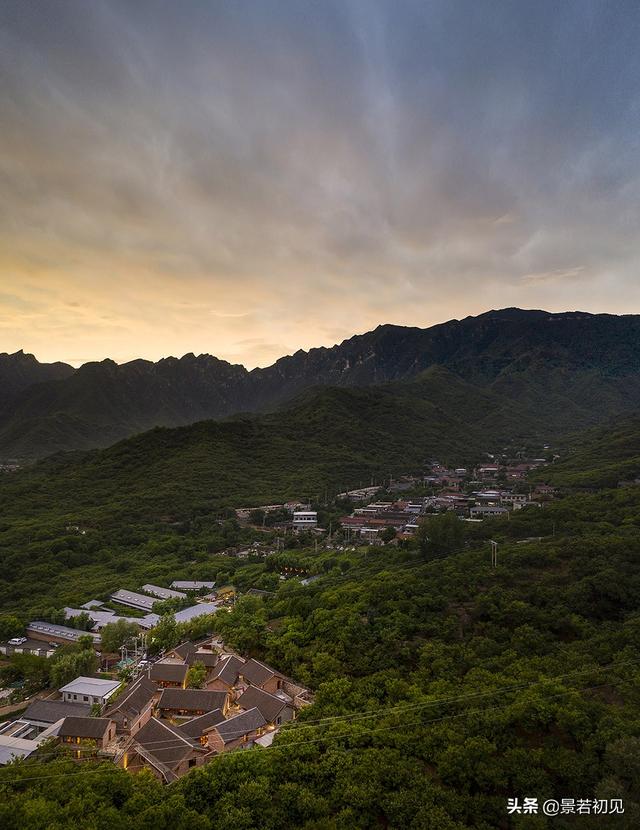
(559, 274)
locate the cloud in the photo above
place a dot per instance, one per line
(190, 177)
(556, 275)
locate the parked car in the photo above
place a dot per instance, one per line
(17, 641)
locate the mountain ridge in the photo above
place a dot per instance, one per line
(590, 360)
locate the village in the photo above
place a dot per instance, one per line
(156, 720)
(180, 708)
(392, 512)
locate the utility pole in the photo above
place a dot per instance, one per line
(494, 554)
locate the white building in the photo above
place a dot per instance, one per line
(89, 690)
(305, 519)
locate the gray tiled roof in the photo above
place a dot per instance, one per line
(51, 711)
(256, 673)
(191, 584)
(239, 725)
(134, 698)
(228, 668)
(84, 727)
(193, 611)
(164, 742)
(134, 599)
(269, 705)
(61, 631)
(168, 672)
(196, 727)
(162, 593)
(192, 699)
(208, 659)
(184, 650)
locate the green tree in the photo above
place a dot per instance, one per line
(115, 635)
(196, 676)
(10, 626)
(171, 605)
(165, 635)
(441, 535)
(69, 666)
(33, 669)
(256, 517)
(81, 621)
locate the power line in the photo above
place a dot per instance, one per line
(324, 739)
(366, 714)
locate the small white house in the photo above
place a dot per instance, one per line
(305, 519)
(89, 690)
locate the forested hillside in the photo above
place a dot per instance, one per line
(602, 457)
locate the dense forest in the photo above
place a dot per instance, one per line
(603, 457)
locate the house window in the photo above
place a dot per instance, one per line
(85, 697)
(192, 762)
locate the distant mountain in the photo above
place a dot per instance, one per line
(18, 371)
(569, 370)
(103, 402)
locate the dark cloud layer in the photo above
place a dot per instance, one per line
(251, 177)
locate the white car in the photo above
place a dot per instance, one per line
(17, 641)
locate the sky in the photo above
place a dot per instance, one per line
(251, 177)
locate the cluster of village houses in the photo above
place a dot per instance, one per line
(489, 490)
(472, 494)
(156, 722)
